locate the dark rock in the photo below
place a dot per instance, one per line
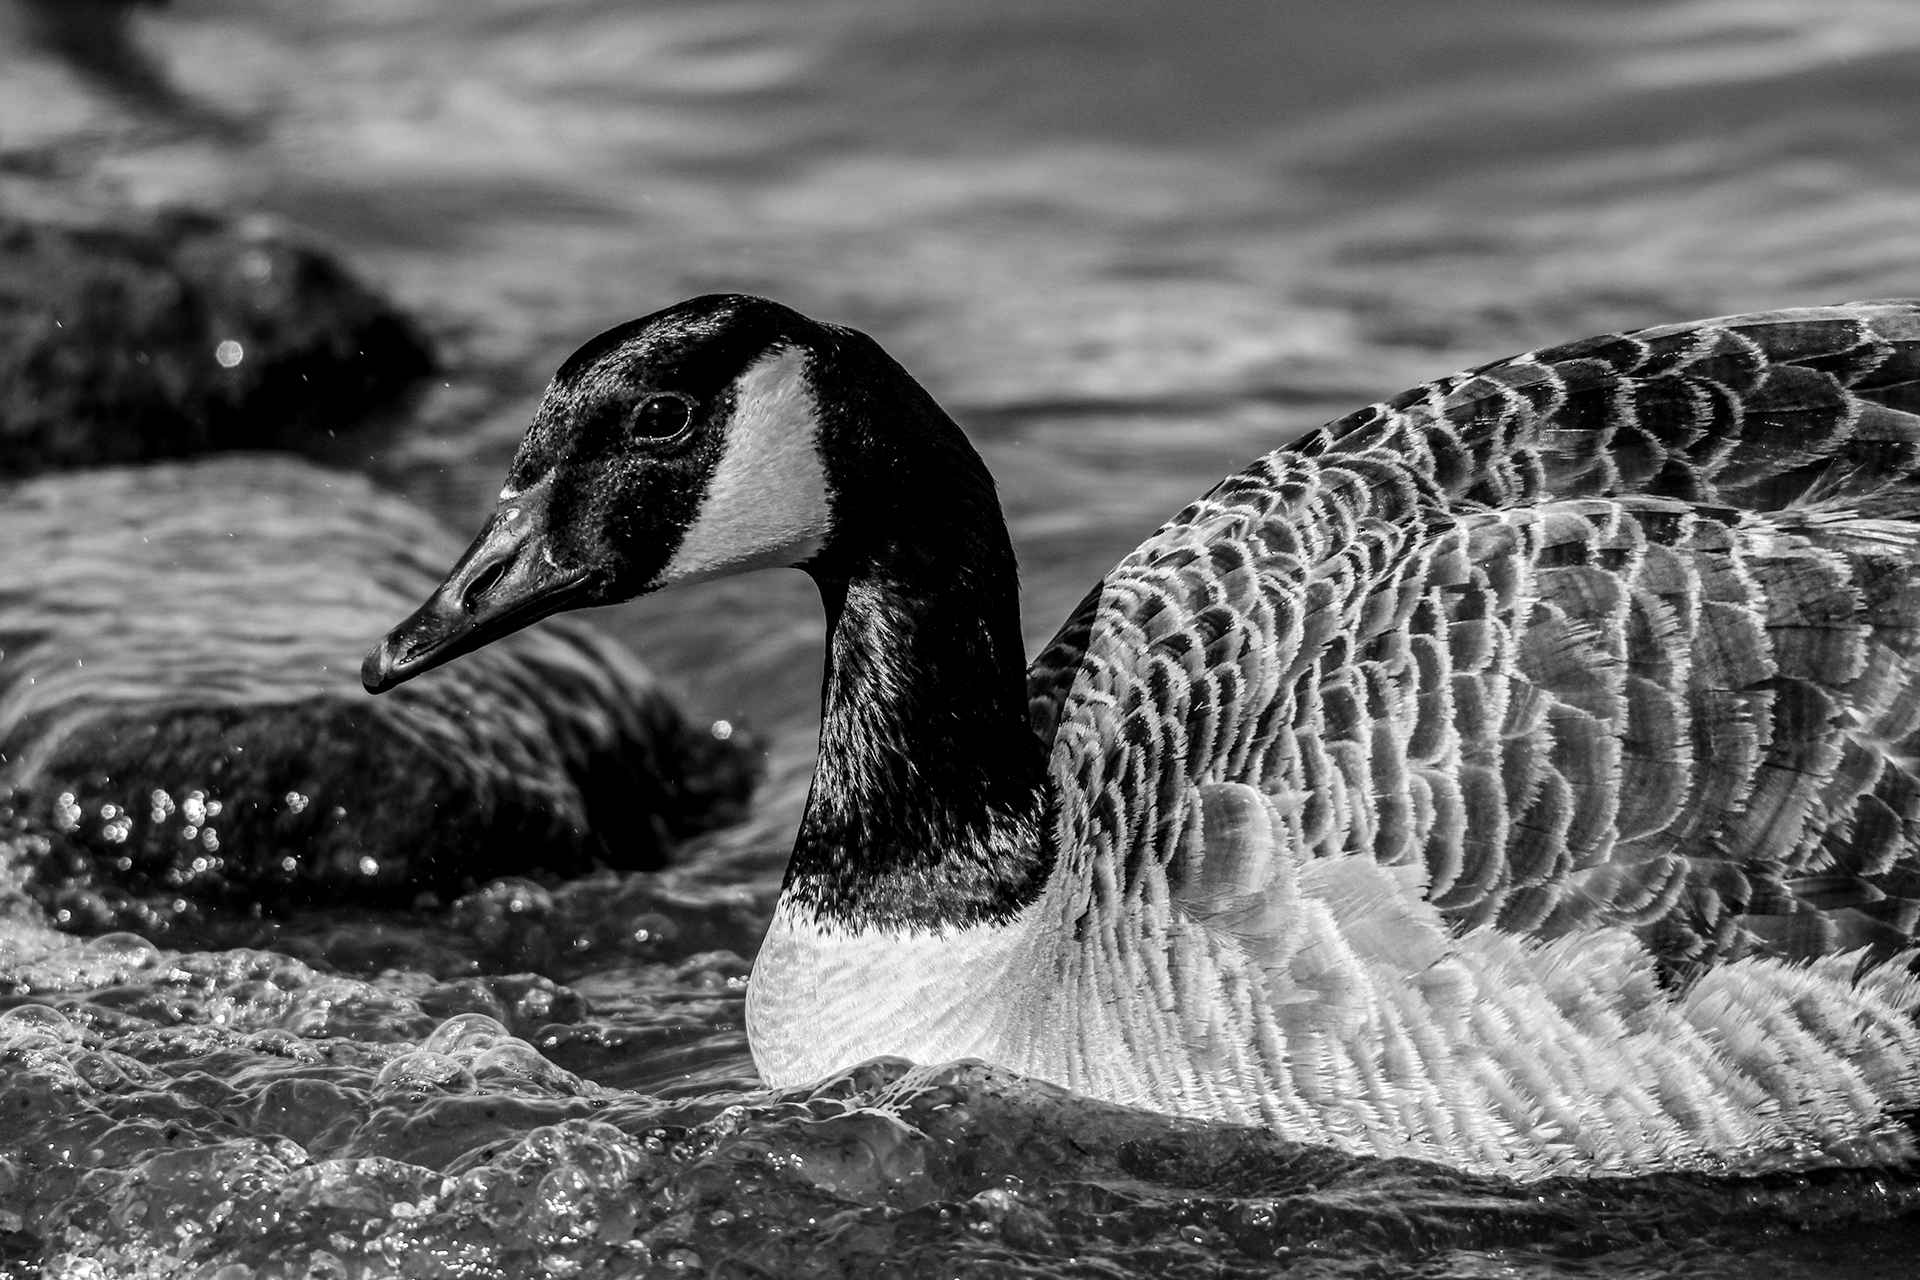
(182, 723)
(182, 334)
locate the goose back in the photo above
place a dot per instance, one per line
(1684, 702)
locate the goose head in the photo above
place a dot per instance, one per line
(682, 446)
(711, 438)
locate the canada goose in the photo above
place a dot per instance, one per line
(1519, 773)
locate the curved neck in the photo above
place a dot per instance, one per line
(927, 800)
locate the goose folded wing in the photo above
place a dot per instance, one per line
(1687, 718)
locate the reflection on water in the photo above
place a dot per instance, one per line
(1130, 248)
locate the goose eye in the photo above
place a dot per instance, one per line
(661, 416)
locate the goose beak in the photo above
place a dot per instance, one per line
(506, 580)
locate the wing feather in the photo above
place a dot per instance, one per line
(1622, 632)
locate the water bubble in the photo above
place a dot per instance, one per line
(296, 802)
(565, 1209)
(229, 353)
(41, 1018)
(515, 1061)
(127, 949)
(466, 1034)
(722, 729)
(369, 866)
(423, 1071)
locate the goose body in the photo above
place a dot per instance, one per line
(1519, 774)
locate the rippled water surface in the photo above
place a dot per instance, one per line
(1131, 246)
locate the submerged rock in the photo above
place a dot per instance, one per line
(184, 333)
(182, 723)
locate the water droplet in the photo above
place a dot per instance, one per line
(229, 354)
(722, 729)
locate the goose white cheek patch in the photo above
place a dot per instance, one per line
(766, 503)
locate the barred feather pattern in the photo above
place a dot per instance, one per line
(1523, 772)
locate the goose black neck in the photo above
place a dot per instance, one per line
(927, 799)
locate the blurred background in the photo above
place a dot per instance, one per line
(1130, 245)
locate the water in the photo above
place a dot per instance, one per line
(1130, 246)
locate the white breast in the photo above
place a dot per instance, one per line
(823, 998)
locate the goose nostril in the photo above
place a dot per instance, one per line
(478, 588)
